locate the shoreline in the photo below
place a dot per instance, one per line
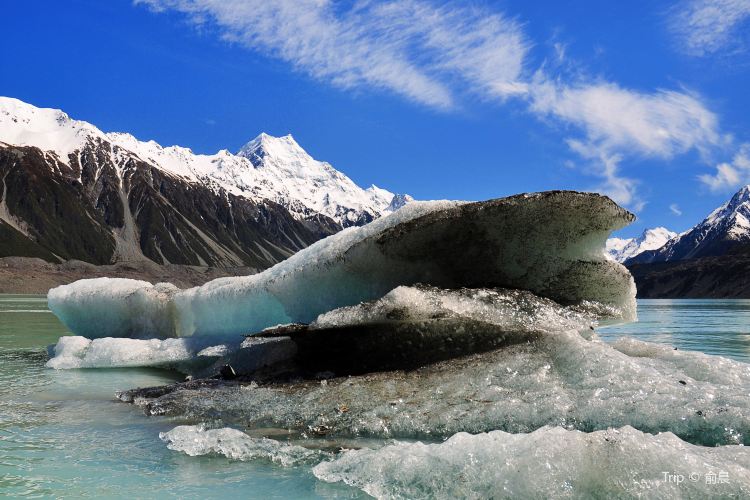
(28, 275)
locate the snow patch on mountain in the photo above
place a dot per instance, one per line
(22, 124)
(621, 249)
(267, 167)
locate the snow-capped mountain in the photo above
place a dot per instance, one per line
(267, 167)
(725, 230)
(70, 190)
(622, 249)
(271, 168)
(285, 173)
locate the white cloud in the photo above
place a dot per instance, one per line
(621, 189)
(662, 123)
(614, 121)
(675, 209)
(704, 27)
(730, 175)
(410, 47)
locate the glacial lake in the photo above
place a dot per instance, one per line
(62, 433)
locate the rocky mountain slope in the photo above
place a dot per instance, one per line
(70, 191)
(726, 276)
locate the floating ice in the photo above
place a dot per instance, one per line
(549, 243)
(114, 307)
(558, 379)
(408, 327)
(195, 440)
(185, 354)
(413, 326)
(551, 462)
(548, 463)
(509, 310)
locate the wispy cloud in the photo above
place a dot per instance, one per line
(410, 47)
(433, 52)
(605, 165)
(704, 27)
(675, 209)
(730, 175)
(661, 123)
(613, 121)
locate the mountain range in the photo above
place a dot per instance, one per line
(712, 259)
(726, 230)
(72, 192)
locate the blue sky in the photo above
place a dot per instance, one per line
(645, 101)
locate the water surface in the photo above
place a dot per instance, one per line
(713, 326)
(63, 434)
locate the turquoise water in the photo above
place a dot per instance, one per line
(713, 326)
(62, 433)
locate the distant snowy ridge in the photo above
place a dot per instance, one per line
(725, 229)
(622, 249)
(267, 167)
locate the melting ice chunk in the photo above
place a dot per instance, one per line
(188, 354)
(195, 440)
(548, 243)
(549, 463)
(554, 379)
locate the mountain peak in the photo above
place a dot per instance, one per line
(657, 231)
(723, 229)
(739, 201)
(741, 196)
(398, 201)
(621, 249)
(284, 147)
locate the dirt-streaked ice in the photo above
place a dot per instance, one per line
(548, 243)
(558, 379)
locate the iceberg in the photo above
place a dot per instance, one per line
(547, 243)
(550, 462)
(550, 379)
(469, 326)
(412, 326)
